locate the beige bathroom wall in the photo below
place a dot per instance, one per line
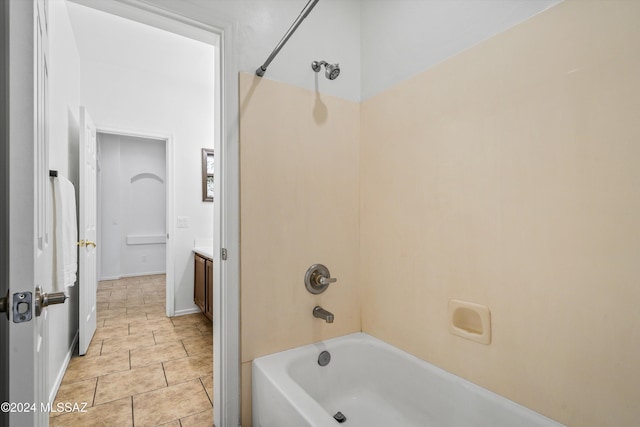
(509, 176)
(299, 206)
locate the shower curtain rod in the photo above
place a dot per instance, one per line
(307, 9)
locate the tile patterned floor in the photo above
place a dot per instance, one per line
(142, 368)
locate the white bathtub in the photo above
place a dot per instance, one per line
(373, 384)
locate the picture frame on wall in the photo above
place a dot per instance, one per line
(207, 175)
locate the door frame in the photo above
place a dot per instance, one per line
(4, 207)
(226, 221)
(169, 201)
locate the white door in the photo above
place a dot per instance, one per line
(28, 232)
(87, 272)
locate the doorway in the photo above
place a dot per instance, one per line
(187, 180)
(140, 77)
(132, 206)
(226, 228)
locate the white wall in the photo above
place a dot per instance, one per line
(331, 32)
(109, 206)
(132, 202)
(401, 38)
(64, 78)
(139, 78)
(378, 43)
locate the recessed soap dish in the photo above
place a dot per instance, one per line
(470, 320)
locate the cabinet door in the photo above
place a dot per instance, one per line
(199, 282)
(209, 290)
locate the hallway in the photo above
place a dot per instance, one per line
(142, 368)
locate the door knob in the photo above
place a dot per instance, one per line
(44, 299)
(89, 243)
(82, 243)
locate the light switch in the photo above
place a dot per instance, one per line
(183, 222)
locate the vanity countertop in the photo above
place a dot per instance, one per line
(205, 251)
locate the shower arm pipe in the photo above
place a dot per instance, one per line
(307, 9)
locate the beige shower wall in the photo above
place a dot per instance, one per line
(299, 206)
(509, 176)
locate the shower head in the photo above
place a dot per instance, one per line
(332, 71)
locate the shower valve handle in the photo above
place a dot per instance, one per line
(317, 279)
(326, 280)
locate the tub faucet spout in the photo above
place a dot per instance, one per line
(323, 314)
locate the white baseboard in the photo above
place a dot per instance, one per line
(186, 311)
(150, 273)
(63, 369)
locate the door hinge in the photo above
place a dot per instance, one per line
(223, 254)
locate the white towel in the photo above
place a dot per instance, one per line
(66, 234)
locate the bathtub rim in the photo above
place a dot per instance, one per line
(294, 392)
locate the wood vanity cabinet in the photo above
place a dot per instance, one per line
(208, 306)
(203, 285)
(200, 281)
